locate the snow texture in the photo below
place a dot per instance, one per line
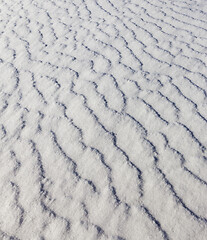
(103, 119)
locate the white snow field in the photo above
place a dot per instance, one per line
(103, 119)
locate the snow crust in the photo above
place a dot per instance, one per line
(103, 119)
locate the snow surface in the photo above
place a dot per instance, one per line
(103, 119)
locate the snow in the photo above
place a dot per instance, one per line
(103, 120)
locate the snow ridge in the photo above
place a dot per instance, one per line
(103, 119)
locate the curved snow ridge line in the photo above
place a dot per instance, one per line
(153, 23)
(159, 27)
(101, 155)
(171, 187)
(43, 193)
(180, 201)
(74, 165)
(167, 181)
(156, 222)
(102, 119)
(113, 138)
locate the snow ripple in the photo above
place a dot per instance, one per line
(103, 119)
